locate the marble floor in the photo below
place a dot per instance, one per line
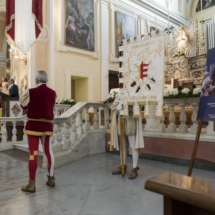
(85, 187)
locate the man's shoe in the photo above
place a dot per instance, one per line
(50, 182)
(30, 187)
(119, 170)
(133, 173)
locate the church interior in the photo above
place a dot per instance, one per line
(132, 79)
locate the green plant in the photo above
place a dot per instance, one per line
(111, 98)
(178, 54)
(65, 101)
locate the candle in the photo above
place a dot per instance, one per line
(201, 11)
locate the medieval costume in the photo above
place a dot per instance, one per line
(132, 129)
(40, 102)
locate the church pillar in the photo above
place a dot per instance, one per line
(104, 49)
(31, 63)
(51, 44)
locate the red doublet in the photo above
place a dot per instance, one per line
(40, 111)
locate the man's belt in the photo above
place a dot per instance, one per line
(40, 120)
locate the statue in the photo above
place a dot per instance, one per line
(184, 43)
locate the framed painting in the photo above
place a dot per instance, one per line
(205, 4)
(79, 24)
(125, 26)
(15, 109)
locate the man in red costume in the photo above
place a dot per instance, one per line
(39, 103)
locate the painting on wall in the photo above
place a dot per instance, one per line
(79, 21)
(205, 4)
(125, 25)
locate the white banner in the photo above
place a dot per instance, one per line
(143, 63)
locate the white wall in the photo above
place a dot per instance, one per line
(53, 56)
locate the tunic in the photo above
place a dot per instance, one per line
(40, 102)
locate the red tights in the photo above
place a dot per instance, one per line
(33, 145)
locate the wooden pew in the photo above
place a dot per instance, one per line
(184, 195)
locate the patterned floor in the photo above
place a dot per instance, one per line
(85, 187)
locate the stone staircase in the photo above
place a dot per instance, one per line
(21, 155)
(73, 138)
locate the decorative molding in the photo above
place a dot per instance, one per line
(85, 74)
(45, 34)
(2, 7)
(65, 48)
(157, 9)
(3, 61)
(105, 2)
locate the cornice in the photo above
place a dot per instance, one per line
(152, 7)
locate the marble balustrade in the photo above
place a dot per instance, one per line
(69, 123)
(60, 109)
(180, 117)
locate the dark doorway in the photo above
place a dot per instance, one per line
(113, 80)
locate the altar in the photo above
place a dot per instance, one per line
(185, 72)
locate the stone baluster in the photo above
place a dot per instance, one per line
(53, 138)
(80, 122)
(163, 126)
(95, 125)
(171, 127)
(66, 141)
(107, 117)
(110, 118)
(4, 132)
(73, 136)
(65, 109)
(183, 127)
(210, 128)
(14, 131)
(87, 120)
(24, 135)
(166, 113)
(194, 127)
(55, 111)
(59, 138)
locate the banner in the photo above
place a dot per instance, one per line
(24, 22)
(142, 72)
(206, 110)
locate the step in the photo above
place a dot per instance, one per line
(24, 147)
(21, 155)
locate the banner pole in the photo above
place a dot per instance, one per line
(196, 143)
(121, 147)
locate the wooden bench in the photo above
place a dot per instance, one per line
(184, 195)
